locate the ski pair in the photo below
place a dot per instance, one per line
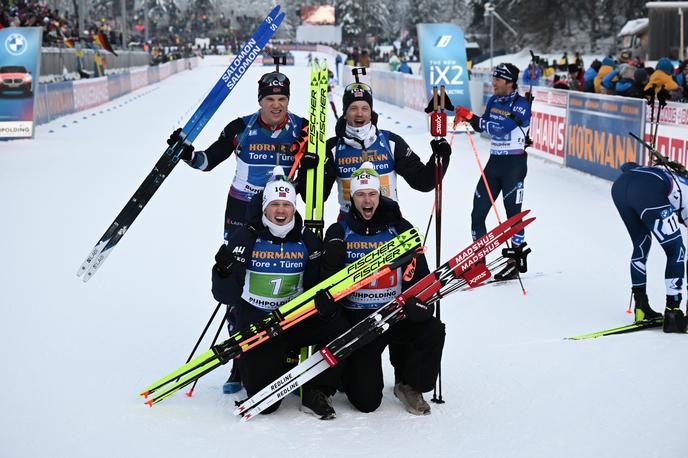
(430, 289)
(317, 138)
(169, 159)
(366, 269)
(633, 327)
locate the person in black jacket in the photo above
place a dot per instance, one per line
(359, 140)
(371, 221)
(267, 262)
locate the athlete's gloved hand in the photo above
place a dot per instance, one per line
(417, 310)
(447, 104)
(224, 259)
(441, 147)
(309, 160)
(187, 150)
(465, 113)
(518, 254)
(325, 304)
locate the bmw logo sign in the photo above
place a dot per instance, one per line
(16, 44)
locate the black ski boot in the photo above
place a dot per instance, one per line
(674, 319)
(315, 402)
(516, 262)
(643, 311)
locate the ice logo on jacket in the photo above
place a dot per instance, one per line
(16, 44)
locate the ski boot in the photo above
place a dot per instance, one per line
(674, 319)
(315, 402)
(642, 309)
(413, 400)
(516, 262)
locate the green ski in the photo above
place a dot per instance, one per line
(317, 137)
(638, 326)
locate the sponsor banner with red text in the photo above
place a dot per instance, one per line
(672, 132)
(548, 123)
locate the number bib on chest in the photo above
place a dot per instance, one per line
(275, 274)
(349, 159)
(380, 291)
(257, 154)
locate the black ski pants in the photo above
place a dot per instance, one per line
(261, 365)
(418, 352)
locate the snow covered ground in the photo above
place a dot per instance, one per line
(75, 355)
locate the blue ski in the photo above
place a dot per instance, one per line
(227, 82)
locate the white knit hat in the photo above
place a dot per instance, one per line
(278, 188)
(365, 178)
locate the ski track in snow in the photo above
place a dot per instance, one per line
(75, 355)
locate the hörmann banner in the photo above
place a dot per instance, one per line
(443, 58)
(20, 52)
(597, 133)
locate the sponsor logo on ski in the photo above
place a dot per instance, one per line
(281, 382)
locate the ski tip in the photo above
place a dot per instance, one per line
(238, 411)
(273, 12)
(144, 394)
(247, 417)
(149, 403)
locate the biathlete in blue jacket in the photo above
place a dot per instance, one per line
(269, 137)
(652, 201)
(506, 120)
(265, 263)
(359, 140)
(371, 221)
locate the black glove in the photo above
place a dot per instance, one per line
(187, 150)
(417, 310)
(308, 160)
(475, 123)
(333, 257)
(224, 259)
(447, 104)
(441, 147)
(174, 137)
(325, 304)
(518, 254)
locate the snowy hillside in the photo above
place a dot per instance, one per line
(75, 355)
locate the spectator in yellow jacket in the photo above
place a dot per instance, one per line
(662, 78)
(606, 68)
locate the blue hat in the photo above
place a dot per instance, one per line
(665, 65)
(608, 61)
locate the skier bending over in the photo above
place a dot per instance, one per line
(651, 202)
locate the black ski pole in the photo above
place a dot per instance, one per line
(212, 344)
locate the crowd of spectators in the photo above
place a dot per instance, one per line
(171, 28)
(625, 76)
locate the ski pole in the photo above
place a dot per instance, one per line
(217, 334)
(205, 329)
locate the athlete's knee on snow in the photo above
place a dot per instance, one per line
(365, 402)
